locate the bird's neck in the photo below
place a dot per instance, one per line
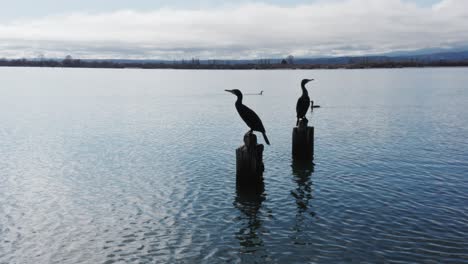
(239, 100)
(304, 90)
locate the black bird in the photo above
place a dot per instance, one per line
(250, 117)
(303, 102)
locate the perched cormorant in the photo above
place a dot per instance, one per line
(261, 93)
(303, 102)
(250, 117)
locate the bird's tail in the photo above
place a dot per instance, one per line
(266, 139)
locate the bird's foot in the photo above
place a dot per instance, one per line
(250, 139)
(303, 122)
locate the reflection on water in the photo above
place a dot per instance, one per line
(249, 202)
(302, 172)
(136, 166)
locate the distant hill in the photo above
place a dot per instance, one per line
(447, 56)
(429, 57)
(441, 59)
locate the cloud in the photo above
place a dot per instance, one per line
(322, 28)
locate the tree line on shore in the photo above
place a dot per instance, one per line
(287, 63)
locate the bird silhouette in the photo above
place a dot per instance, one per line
(303, 102)
(248, 115)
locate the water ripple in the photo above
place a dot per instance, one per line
(108, 174)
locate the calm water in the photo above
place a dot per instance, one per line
(104, 166)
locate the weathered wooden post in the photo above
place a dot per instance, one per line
(303, 142)
(249, 162)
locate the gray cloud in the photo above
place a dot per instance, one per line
(350, 27)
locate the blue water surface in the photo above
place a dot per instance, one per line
(138, 166)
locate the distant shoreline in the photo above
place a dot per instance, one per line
(109, 64)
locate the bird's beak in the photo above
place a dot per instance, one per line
(229, 91)
(311, 80)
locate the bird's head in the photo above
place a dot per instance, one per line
(235, 92)
(305, 81)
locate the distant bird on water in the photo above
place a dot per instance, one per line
(303, 102)
(250, 117)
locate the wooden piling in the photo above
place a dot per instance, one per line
(249, 162)
(303, 142)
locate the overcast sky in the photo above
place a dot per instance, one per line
(176, 29)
